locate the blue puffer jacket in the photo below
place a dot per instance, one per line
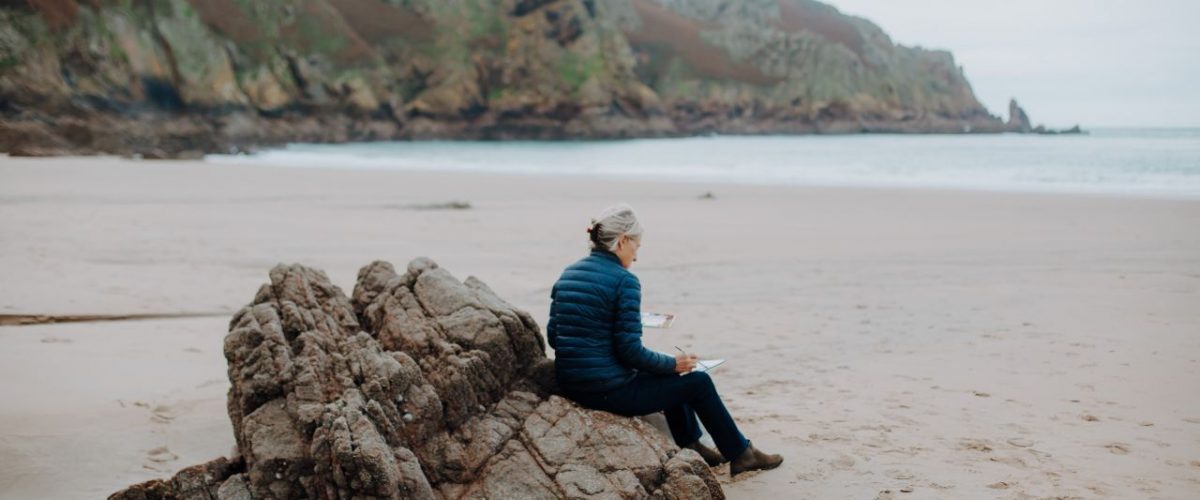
(595, 326)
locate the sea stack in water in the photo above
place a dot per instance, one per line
(1018, 120)
(419, 386)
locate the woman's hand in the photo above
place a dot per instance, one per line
(685, 363)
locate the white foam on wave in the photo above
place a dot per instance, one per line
(1135, 162)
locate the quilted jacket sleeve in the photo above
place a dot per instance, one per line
(552, 324)
(627, 337)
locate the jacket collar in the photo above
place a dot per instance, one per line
(606, 254)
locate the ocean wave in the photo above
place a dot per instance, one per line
(1153, 162)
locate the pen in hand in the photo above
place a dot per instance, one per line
(697, 361)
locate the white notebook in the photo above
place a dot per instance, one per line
(657, 320)
(705, 365)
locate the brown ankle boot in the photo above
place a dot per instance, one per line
(752, 459)
(711, 457)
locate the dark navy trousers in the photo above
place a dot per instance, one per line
(681, 398)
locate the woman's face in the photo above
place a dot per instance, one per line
(627, 249)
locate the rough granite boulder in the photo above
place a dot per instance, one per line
(418, 386)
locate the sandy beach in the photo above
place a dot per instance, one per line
(890, 343)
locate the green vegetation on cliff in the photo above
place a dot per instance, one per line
(246, 72)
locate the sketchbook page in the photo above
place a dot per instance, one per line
(657, 320)
(705, 365)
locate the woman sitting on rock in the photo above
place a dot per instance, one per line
(595, 329)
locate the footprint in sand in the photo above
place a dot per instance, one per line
(827, 437)
(1192, 420)
(813, 475)
(891, 495)
(1010, 461)
(844, 462)
(1118, 448)
(162, 414)
(999, 485)
(981, 394)
(1089, 417)
(976, 445)
(56, 340)
(161, 455)
(1020, 442)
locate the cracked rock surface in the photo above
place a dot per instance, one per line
(417, 386)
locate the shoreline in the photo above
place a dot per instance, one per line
(235, 161)
(851, 186)
(1109, 164)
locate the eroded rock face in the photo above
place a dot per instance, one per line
(179, 78)
(418, 386)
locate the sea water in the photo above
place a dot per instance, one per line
(1143, 162)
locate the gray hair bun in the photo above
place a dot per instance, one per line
(613, 223)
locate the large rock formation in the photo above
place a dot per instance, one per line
(172, 77)
(419, 386)
(794, 66)
(1018, 121)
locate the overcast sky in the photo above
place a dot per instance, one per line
(1092, 62)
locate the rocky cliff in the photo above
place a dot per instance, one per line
(171, 77)
(418, 386)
